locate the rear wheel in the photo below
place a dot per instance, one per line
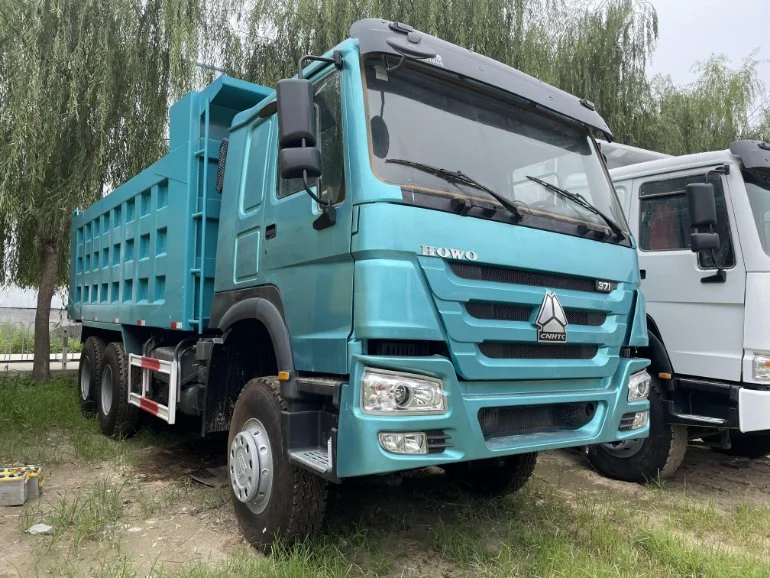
(273, 499)
(89, 373)
(117, 418)
(494, 476)
(641, 460)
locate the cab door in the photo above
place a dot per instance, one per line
(313, 268)
(699, 318)
(239, 248)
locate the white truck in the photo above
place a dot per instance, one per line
(702, 226)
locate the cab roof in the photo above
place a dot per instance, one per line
(379, 36)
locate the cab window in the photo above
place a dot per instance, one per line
(665, 225)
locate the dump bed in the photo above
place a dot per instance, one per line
(145, 253)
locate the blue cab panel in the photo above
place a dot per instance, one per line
(144, 254)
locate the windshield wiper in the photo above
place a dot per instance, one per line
(460, 178)
(579, 199)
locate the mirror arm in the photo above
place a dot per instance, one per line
(328, 213)
(721, 275)
(336, 60)
(397, 66)
(310, 192)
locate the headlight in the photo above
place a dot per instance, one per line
(761, 367)
(387, 392)
(639, 386)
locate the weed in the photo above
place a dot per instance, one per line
(93, 515)
(18, 338)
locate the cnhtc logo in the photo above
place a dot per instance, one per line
(551, 321)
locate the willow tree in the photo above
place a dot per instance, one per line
(723, 104)
(598, 44)
(84, 91)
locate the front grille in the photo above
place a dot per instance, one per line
(627, 421)
(589, 318)
(501, 312)
(498, 312)
(502, 350)
(521, 277)
(510, 421)
(405, 348)
(438, 441)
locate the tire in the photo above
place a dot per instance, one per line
(752, 445)
(117, 418)
(291, 502)
(654, 458)
(89, 374)
(494, 476)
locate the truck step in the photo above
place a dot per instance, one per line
(315, 459)
(701, 418)
(147, 365)
(150, 406)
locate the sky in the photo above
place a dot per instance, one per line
(691, 30)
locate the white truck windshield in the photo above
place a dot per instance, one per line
(758, 190)
(436, 120)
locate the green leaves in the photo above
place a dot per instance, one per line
(84, 94)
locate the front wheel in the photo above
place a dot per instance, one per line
(494, 476)
(273, 499)
(641, 460)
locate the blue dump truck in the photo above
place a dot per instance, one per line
(373, 268)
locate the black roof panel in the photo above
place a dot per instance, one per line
(373, 35)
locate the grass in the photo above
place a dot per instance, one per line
(42, 423)
(20, 339)
(91, 515)
(425, 527)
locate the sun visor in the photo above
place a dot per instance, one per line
(380, 36)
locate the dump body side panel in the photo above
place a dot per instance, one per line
(145, 254)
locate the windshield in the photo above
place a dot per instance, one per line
(444, 122)
(758, 190)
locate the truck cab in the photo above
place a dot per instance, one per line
(372, 269)
(706, 307)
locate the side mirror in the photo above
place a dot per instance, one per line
(298, 157)
(296, 113)
(298, 163)
(702, 209)
(704, 242)
(701, 205)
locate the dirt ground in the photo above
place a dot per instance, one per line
(172, 522)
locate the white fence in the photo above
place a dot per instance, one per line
(17, 340)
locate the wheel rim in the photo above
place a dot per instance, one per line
(106, 390)
(251, 466)
(624, 449)
(85, 380)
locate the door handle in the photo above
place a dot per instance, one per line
(643, 273)
(270, 231)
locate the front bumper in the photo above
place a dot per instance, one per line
(712, 404)
(753, 410)
(359, 451)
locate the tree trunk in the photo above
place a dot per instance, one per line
(41, 368)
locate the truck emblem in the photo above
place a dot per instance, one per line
(436, 61)
(551, 321)
(431, 251)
